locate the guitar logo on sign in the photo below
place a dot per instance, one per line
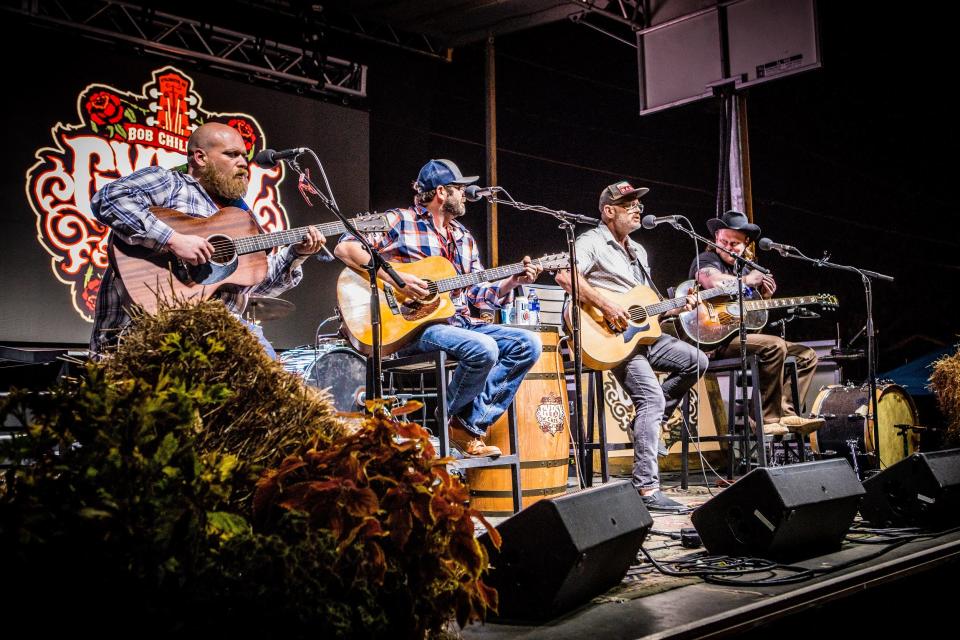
(115, 133)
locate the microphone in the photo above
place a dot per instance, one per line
(473, 193)
(650, 221)
(268, 158)
(767, 244)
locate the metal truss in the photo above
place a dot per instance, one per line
(627, 14)
(166, 34)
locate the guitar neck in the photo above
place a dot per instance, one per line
(252, 244)
(469, 279)
(778, 303)
(667, 305)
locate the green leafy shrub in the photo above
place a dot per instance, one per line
(125, 510)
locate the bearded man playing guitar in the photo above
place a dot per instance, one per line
(734, 233)
(493, 359)
(610, 261)
(217, 176)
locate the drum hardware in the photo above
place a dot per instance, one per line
(264, 309)
(852, 445)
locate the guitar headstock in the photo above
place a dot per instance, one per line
(827, 301)
(371, 223)
(554, 261)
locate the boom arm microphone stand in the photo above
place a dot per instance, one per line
(567, 222)
(866, 276)
(739, 264)
(376, 263)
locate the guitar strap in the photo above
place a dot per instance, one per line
(646, 274)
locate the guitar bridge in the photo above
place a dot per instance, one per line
(391, 297)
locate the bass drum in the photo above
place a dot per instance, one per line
(844, 409)
(344, 372)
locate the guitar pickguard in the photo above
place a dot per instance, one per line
(412, 311)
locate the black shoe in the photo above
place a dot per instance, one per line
(656, 501)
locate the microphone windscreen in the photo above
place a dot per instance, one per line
(765, 244)
(266, 158)
(471, 193)
(649, 221)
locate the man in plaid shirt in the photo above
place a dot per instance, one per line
(493, 359)
(216, 177)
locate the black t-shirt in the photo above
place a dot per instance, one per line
(709, 259)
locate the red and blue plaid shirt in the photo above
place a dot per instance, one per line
(413, 236)
(123, 205)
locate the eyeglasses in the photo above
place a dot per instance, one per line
(636, 206)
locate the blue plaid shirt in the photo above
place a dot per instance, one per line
(413, 236)
(123, 205)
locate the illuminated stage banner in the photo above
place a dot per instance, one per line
(116, 131)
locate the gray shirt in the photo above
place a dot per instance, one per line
(606, 264)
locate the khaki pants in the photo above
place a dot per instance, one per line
(775, 389)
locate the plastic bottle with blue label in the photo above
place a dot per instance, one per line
(533, 302)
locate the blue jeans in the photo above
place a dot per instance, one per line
(493, 360)
(257, 332)
(655, 402)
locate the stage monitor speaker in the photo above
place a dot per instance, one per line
(922, 490)
(558, 553)
(782, 513)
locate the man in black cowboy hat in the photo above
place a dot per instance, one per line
(734, 232)
(609, 260)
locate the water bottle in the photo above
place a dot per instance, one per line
(521, 310)
(534, 305)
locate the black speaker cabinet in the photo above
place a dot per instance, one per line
(922, 490)
(782, 513)
(558, 553)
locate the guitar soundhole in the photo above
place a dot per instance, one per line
(224, 251)
(638, 315)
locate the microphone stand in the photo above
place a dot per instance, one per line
(567, 222)
(375, 383)
(739, 264)
(867, 277)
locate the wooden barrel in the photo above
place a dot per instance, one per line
(543, 434)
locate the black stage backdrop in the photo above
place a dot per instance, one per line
(848, 159)
(51, 259)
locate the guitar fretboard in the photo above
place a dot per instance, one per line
(469, 279)
(666, 305)
(265, 241)
(778, 303)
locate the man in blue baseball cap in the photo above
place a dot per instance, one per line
(493, 359)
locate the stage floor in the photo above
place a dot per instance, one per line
(897, 590)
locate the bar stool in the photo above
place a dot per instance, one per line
(738, 433)
(440, 366)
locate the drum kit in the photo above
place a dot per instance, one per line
(848, 431)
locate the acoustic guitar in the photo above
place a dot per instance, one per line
(712, 322)
(239, 259)
(401, 316)
(605, 347)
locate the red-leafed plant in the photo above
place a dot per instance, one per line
(401, 516)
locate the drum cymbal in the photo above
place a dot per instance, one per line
(263, 308)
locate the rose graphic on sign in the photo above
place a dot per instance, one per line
(115, 133)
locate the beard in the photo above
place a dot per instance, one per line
(223, 186)
(454, 209)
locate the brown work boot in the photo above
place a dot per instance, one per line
(803, 426)
(469, 444)
(775, 429)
